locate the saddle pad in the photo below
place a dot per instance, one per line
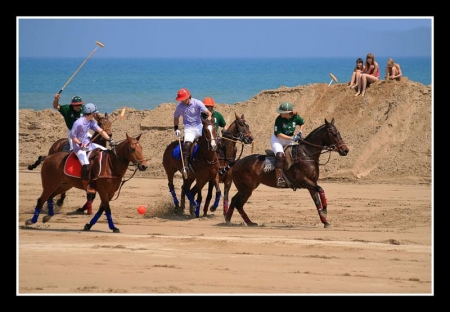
(72, 167)
(177, 154)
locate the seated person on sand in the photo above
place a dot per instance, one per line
(393, 70)
(356, 71)
(370, 74)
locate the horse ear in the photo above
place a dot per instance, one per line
(138, 137)
(236, 115)
(332, 121)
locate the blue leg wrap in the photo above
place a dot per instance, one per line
(110, 221)
(197, 208)
(174, 196)
(191, 198)
(50, 207)
(95, 218)
(35, 215)
(217, 200)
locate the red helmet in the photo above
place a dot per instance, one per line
(208, 101)
(182, 95)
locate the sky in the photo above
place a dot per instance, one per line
(231, 37)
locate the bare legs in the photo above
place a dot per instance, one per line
(363, 79)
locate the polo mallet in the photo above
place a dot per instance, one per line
(333, 78)
(99, 44)
(121, 117)
(185, 175)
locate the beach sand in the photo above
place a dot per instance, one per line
(379, 207)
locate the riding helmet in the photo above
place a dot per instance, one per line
(182, 95)
(284, 108)
(208, 101)
(76, 100)
(90, 108)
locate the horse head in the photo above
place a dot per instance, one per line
(335, 139)
(209, 134)
(104, 123)
(239, 130)
(130, 150)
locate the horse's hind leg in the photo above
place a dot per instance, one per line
(88, 204)
(60, 201)
(37, 210)
(238, 201)
(318, 196)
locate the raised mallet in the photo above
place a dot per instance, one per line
(333, 78)
(99, 44)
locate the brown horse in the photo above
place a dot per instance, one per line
(203, 166)
(63, 145)
(238, 131)
(301, 170)
(111, 167)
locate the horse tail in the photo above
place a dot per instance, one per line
(37, 163)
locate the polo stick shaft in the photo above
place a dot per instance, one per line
(99, 44)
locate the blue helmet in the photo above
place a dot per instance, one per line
(90, 108)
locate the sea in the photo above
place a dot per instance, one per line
(145, 83)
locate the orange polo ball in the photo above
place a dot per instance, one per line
(141, 209)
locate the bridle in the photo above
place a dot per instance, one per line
(239, 137)
(205, 135)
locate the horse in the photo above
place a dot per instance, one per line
(203, 165)
(61, 171)
(238, 131)
(301, 170)
(63, 145)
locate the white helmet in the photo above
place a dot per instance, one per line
(90, 108)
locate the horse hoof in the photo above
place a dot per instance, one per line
(59, 202)
(28, 222)
(87, 227)
(326, 225)
(212, 209)
(252, 224)
(46, 218)
(116, 230)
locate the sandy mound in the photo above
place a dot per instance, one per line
(388, 130)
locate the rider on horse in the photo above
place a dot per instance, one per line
(219, 121)
(82, 145)
(70, 112)
(191, 110)
(283, 135)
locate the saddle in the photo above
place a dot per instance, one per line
(288, 162)
(176, 153)
(72, 166)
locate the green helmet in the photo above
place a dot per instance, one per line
(76, 100)
(285, 107)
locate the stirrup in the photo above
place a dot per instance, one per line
(281, 182)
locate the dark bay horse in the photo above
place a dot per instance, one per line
(63, 145)
(237, 132)
(111, 165)
(301, 170)
(203, 166)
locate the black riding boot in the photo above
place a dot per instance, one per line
(279, 163)
(186, 153)
(85, 177)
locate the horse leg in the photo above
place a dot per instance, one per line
(174, 197)
(238, 201)
(103, 207)
(208, 199)
(60, 201)
(50, 212)
(88, 205)
(218, 194)
(226, 191)
(318, 196)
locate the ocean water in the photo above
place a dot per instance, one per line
(112, 83)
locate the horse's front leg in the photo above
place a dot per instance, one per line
(318, 196)
(104, 206)
(208, 199)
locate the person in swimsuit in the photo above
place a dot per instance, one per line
(370, 74)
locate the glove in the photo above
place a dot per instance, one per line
(84, 147)
(298, 137)
(178, 133)
(111, 142)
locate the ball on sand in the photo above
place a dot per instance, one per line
(141, 209)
